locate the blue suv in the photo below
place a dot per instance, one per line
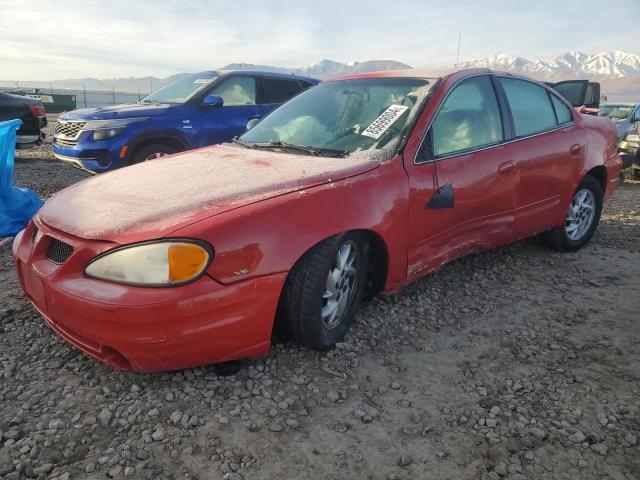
(194, 111)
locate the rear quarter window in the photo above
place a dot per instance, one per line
(563, 113)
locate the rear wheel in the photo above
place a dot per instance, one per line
(152, 151)
(582, 217)
(324, 290)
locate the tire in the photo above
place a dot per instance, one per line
(569, 237)
(147, 152)
(306, 304)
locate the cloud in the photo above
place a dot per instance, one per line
(45, 40)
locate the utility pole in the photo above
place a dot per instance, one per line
(458, 57)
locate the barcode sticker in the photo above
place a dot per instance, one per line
(384, 121)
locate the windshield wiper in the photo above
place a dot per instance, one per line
(290, 146)
(241, 142)
(316, 152)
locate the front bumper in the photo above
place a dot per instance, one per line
(144, 329)
(90, 155)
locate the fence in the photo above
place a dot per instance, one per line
(58, 100)
(88, 99)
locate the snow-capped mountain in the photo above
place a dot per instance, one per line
(615, 64)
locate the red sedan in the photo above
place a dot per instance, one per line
(355, 187)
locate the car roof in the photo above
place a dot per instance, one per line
(264, 73)
(417, 73)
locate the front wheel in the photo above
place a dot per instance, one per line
(324, 290)
(581, 219)
(150, 152)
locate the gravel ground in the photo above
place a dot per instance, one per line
(516, 363)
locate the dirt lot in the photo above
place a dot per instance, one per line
(517, 363)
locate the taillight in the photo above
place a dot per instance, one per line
(37, 110)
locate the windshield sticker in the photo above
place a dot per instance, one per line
(202, 80)
(384, 121)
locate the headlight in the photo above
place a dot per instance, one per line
(106, 133)
(105, 129)
(153, 264)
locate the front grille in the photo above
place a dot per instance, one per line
(59, 251)
(68, 130)
(63, 142)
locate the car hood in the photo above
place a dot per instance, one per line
(154, 198)
(127, 110)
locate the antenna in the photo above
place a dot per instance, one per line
(458, 57)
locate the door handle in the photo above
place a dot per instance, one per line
(507, 168)
(251, 117)
(575, 150)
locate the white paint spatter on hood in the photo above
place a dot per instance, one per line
(158, 196)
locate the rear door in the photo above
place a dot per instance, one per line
(275, 91)
(546, 146)
(221, 124)
(462, 162)
(579, 92)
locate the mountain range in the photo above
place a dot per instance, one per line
(573, 64)
(617, 71)
(326, 68)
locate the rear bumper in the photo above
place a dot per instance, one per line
(145, 329)
(30, 140)
(614, 167)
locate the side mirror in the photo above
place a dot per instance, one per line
(213, 101)
(252, 123)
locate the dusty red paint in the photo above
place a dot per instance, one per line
(262, 211)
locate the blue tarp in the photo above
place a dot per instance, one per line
(17, 205)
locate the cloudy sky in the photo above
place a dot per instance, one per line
(57, 39)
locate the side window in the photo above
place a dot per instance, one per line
(562, 111)
(236, 91)
(276, 90)
(530, 106)
(469, 118)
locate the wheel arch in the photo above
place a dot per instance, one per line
(173, 141)
(599, 173)
(378, 259)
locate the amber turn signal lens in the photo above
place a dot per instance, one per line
(186, 260)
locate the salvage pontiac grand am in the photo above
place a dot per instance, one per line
(354, 187)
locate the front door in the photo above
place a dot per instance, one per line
(220, 124)
(462, 157)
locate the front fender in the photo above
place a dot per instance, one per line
(270, 236)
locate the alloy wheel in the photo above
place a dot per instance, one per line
(580, 215)
(340, 286)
